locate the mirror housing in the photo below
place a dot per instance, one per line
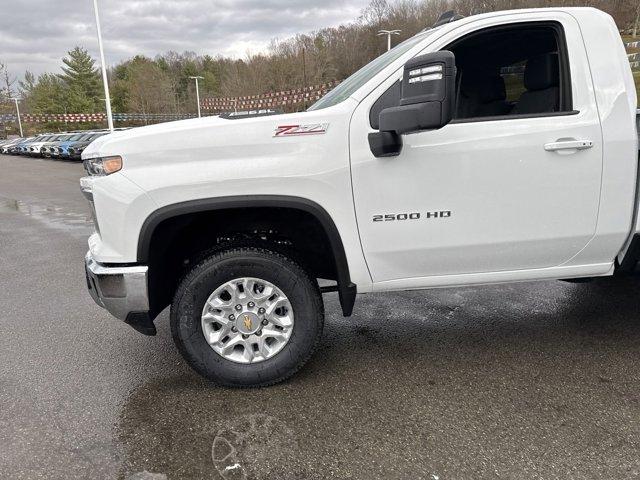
(385, 144)
(428, 95)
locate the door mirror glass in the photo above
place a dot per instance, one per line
(428, 95)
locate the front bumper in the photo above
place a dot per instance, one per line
(122, 291)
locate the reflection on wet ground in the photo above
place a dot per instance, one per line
(77, 224)
(518, 381)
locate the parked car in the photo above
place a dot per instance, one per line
(75, 150)
(25, 147)
(57, 150)
(19, 147)
(62, 149)
(6, 146)
(37, 143)
(421, 170)
(48, 148)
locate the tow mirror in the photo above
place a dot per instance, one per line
(426, 103)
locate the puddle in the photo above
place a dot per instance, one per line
(53, 217)
(244, 445)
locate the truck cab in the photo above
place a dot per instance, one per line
(495, 148)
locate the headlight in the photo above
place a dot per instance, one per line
(103, 165)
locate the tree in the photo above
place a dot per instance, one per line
(376, 12)
(47, 95)
(27, 84)
(150, 89)
(82, 80)
(142, 86)
(7, 82)
(211, 73)
(26, 87)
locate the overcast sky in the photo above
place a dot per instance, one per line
(36, 34)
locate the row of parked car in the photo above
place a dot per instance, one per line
(52, 145)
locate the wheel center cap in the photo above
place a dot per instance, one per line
(247, 323)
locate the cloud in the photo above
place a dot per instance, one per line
(36, 34)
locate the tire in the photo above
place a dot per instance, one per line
(213, 273)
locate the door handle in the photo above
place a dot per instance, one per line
(568, 145)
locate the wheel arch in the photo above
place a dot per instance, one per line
(346, 289)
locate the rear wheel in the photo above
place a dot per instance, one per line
(247, 317)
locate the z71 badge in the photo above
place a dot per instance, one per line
(309, 129)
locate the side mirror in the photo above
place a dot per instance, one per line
(428, 95)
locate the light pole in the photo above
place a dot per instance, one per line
(388, 33)
(107, 98)
(18, 112)
(196, 78)
(304, 79)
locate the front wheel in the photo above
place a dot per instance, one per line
(247, 317)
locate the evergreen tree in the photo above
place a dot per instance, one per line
(82, 80)
(48, 95)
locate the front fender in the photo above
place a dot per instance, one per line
(346, 288)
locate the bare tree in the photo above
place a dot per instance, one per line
(8, 81)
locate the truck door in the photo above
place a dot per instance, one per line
(511, 184)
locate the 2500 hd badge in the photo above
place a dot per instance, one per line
(390, 217)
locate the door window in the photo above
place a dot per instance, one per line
(515, 70)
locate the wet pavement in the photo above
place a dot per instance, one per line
(531, 380)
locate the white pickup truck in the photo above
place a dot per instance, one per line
(496, 148)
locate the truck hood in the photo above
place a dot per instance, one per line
(216, 137)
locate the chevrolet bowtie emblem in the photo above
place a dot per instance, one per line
(247, 322)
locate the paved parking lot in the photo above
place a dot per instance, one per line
(534, 380)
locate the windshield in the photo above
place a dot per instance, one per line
(362, 76)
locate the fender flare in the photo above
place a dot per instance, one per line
(346, 289)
